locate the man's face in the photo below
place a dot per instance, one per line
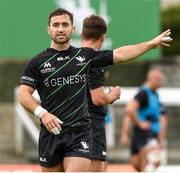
(157, 78)
(60, 29)
(160, 79)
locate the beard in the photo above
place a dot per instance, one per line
(61, 41)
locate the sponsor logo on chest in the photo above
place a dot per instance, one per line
(48, 68)
(81, 60)
(63, 58)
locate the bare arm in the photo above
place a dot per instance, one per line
(27, 100)
(131, 110)
(163, 131)
(131, 52)
(124, 137)
(100, 97)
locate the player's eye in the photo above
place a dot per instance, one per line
(56, 24)
(65, 24)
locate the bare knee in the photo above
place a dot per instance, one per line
(135, 162)
(57, 168)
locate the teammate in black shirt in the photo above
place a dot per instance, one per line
(149, 124)
(60, 75)
(93, 34)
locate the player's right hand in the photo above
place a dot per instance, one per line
(145, 125)
(52, 123)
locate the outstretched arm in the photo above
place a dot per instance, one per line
(131, 52)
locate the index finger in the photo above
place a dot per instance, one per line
(57, 123)
(166, 33)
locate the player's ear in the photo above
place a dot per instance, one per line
(73, 29)
(81, 36)
(48, 30)
(103, 38)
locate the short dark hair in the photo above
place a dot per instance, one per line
(93, 27)
(60, 11)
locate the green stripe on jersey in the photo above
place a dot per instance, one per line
(48, 60)
(83, 67)
(69, 98)
(64, 84)
(73, 112)
(65, 63)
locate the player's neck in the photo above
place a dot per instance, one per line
(90, 43)
(150, 85)
(60, 47)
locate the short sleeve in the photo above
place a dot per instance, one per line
(163, 109)
(102, 58)
(30, 74)
(96, 78)
(142, 98)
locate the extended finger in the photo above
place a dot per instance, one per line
(165, 44)
(169, 33)
(49, 126)
(57, 124)
(59, 121)
(166, 32)
(52, 130)
(55, 131)
(53, 124)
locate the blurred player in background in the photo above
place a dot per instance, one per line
(93, 35)
(149, 120)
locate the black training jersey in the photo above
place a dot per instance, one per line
(60, 78)
(95, 80)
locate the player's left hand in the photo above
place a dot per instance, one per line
(116, 92)
(124, 140)
(163, 39)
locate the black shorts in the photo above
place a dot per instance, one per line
(139, 139)
(98, 139)
(53, 148)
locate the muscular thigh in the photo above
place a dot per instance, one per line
(57, 168)
(76, 164)
(77, 153)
